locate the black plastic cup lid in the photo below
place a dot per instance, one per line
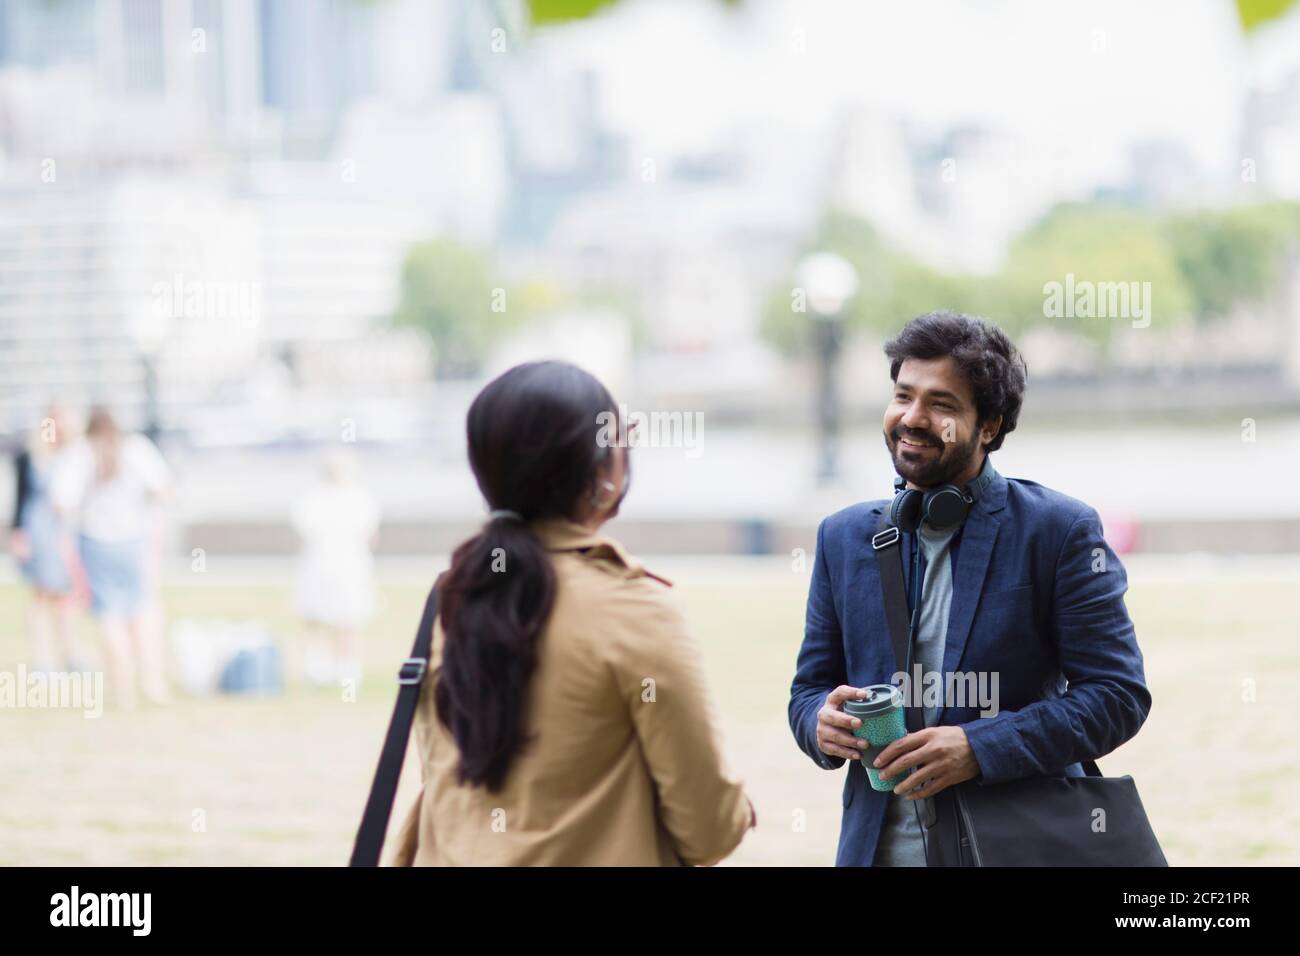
(880, 699)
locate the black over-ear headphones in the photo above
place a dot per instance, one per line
(941, 508)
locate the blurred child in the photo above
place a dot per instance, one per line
(338, 522)
(42, 544)
(110, 483)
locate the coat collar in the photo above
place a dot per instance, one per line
(562, 534)
(994, 497)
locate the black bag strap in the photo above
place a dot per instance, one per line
(889, 556)
(379, 807)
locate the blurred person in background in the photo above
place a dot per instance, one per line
(43, 547)
(565, 696)
(338, 522)
(110, 482)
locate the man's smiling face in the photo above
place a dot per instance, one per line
(930, 424)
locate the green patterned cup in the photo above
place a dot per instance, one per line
(881, 713)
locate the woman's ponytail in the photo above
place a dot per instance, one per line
(495, 600)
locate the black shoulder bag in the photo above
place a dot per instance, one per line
(1035, 821)
(374, 821)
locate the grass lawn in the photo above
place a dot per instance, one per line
(234, 781)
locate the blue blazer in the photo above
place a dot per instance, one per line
(1038, 596)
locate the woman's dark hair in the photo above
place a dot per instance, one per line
(992, 365)
(533, 448)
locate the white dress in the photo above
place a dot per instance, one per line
(336, 573)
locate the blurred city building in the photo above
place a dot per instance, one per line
(206, 208)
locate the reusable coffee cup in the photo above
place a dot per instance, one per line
(881, 713)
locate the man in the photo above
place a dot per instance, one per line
(1024, 590)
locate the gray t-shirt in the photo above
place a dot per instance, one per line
(901, 843)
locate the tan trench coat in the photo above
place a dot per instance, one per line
(627, 767)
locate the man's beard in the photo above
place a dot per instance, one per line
(929, 470)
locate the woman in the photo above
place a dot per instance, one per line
(110, 482)
(564, 719)
(41, 544)
(338, 522)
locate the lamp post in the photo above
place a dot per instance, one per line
(829, 281)
(149, 330)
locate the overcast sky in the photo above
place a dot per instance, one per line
(1101, 74)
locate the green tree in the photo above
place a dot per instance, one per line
(1097, 244)
(562, 11)
(1232, 256)
(1199, 265)
(1253, 13)
(893, 287)
(447, 291)
(877, 265)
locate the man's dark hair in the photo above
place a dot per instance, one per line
(995, 370)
